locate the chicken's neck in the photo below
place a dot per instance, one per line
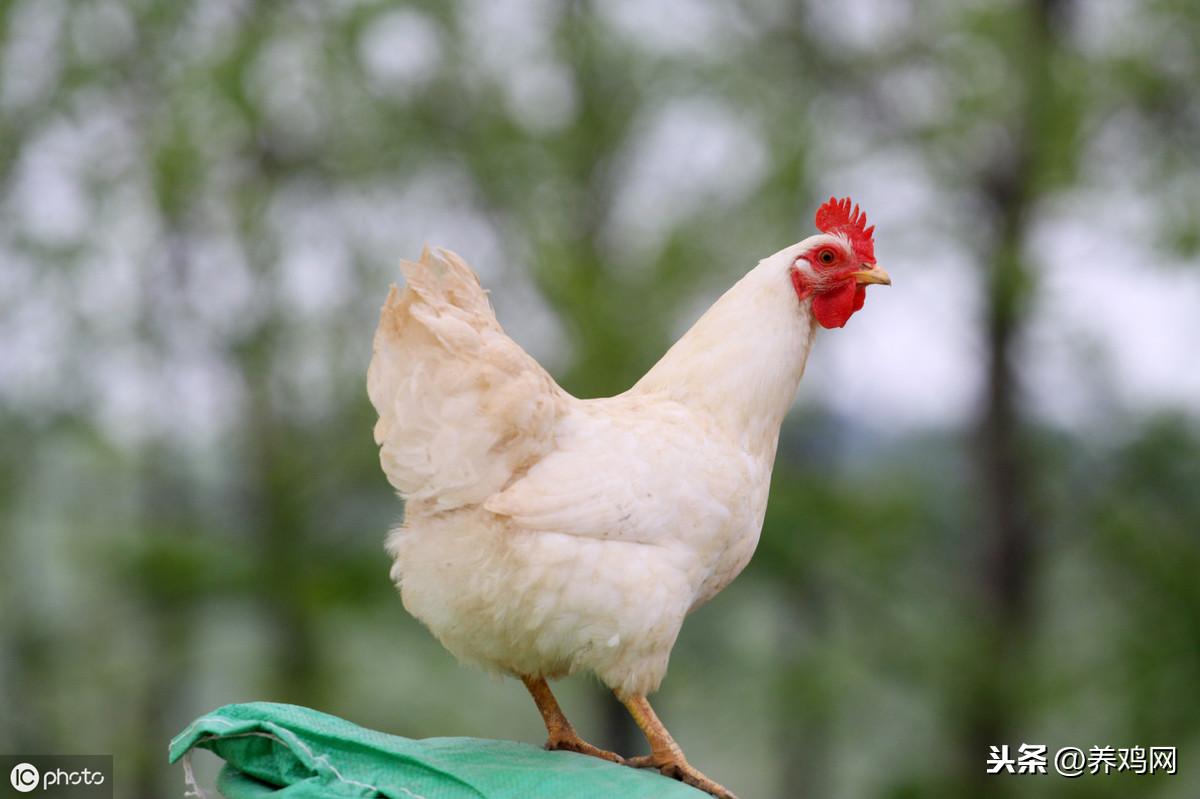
(742, 361)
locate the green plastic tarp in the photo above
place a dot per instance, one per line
(289, 752)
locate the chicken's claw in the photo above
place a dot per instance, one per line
(561, 736)
(665, 755)
(679, 769)
(570, 742)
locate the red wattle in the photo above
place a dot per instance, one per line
(832, 308)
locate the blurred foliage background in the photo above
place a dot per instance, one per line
(985, 520)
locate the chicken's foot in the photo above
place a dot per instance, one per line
(561, 735)
(665, 755)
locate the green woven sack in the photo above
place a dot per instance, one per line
(290, 752)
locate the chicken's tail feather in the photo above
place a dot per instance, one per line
(442, 278)
(461, 405)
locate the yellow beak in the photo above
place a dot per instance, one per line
(873, 274)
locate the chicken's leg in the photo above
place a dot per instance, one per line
(561, 735)
(665, 755)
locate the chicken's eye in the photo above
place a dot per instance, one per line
(826, 256)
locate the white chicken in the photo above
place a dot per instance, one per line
(546, 535)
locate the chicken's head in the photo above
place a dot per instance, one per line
(834, 269)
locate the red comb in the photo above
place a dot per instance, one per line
(837, 216)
